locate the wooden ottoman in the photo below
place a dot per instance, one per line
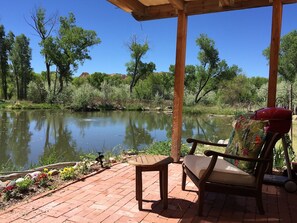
(152, 163)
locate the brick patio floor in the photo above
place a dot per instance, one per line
(109, 196)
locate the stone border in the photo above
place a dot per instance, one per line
(46, 193)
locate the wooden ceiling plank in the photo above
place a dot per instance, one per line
(178, 4)
(130, 6)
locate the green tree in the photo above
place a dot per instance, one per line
(115, 79)
(211, 70)
(136, 68)
(20, 57)
(258, 81)
(3, 61)
(5, 47)
(163, 85)
(44, 26)
(287, 61)
(96, 79)
(190, 77)
(69, 48)
(238, 91)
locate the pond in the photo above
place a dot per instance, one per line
(28, 137)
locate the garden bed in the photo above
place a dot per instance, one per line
(13, 191)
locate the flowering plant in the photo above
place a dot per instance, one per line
(68, 173)
(42, 180)
(8, 192)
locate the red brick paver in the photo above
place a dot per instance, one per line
(109, 196)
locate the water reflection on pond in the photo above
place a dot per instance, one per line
(29, 136)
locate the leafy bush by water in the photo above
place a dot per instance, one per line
(36, 92)
(84, 98)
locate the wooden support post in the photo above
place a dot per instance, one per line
(179, 84)
(274, 51)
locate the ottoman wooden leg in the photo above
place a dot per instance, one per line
(164, 186)
(139, 187)
(161, 182)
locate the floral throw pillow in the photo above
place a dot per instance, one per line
(246, 140)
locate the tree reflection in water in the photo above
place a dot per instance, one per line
(46, 136)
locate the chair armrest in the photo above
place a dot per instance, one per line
(190, 140)
(215, 153)
(197, 141)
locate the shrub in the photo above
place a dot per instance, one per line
(144, 90)
(84, 98)
(24, 185)
(55, 97)
(66, 96)
(121, 93)
(36, 92)
(106, 92)
(189, 98)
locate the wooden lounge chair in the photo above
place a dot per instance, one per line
(240, 170)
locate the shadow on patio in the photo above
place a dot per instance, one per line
(109, 196)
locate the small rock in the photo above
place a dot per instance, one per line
(19, 180)
(34, 175)
(2, 185)
(112, 160)
(221, 141)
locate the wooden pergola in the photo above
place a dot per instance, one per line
(143, 10)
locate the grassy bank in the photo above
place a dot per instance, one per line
(27, 105)
(215, 110)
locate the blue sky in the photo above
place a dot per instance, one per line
(240, 36)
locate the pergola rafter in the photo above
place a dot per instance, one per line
(160, 9)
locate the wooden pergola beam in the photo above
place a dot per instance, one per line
(130, 6)
(226, 3)
(142, 13)
(178, 4)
